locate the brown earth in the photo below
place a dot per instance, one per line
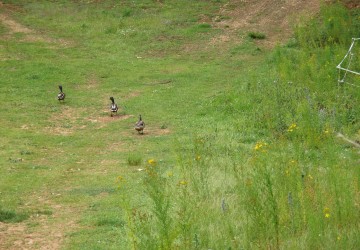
(273, 18)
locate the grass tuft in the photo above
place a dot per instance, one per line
(10, 216)
(134, 159)
(256, 35)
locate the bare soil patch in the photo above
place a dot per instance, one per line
(40, 231)
(108, 118)
(150, 131)
(70, 120)
(274, 18)
(66, 121)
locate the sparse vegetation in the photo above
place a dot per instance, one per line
(256, 35)
(241, 144)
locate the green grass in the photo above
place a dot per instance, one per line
(9, 216)
(239, 150)
(256, 35)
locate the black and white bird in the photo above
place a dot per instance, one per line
(61, 95)
(114, 107)
(140, 125)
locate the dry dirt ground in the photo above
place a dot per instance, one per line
(274, 18)
(271, 17)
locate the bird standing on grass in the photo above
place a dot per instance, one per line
(114, 107)
(61, 95)
(140, 125)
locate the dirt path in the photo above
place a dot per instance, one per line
(274, 18)
(29, 35)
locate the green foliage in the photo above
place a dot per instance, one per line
(127, 12)
(242, 142)
(256, 35)
(134, 159)
(335, 26)
(10, 216)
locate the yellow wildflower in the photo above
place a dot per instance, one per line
(152, 162)
(198, 157)
(292, 127)
(182, 183)
(259, 145)
(120, 178)
(327, 212)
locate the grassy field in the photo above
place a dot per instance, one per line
(241, 148)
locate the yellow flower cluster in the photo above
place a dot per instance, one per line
(327, 212)
(182, 183)
(259, 145)
(152, 162)
(292, 127)
(151, 168)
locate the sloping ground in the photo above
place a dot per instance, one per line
(29, 35)
(274, 18)
(271, 17)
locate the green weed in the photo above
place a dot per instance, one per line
(134, 159)
(256, 35)
(10, 216)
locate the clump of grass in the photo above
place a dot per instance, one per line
(134, 159)
(44, 212)
(110, 222)
(127, 12)
(204, 26)
(256, 35)
(10, 216)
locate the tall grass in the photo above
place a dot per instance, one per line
(272, 173)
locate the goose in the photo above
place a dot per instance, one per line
(114, 107)
(61, 95)
(140, 125)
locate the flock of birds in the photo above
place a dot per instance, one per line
(139, 126)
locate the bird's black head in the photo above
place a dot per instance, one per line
(60, 87)
(112, 99)
(140, 119)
